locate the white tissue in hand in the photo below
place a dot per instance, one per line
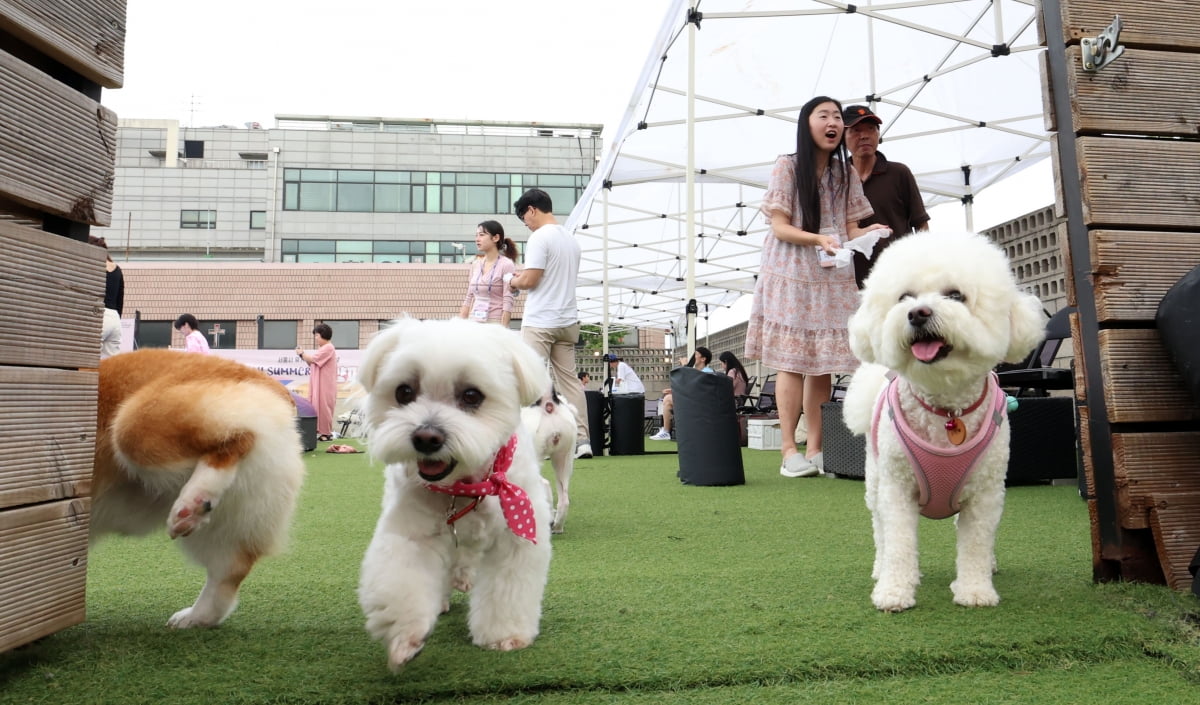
(843, 256)
(866, 243)
(507, 277)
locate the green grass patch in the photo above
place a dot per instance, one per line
(658, 593)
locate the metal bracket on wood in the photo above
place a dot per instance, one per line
(1103, 50)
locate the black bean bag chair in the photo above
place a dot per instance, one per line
(706, 428)
(1178, 320)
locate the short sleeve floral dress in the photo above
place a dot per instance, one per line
(800, 310)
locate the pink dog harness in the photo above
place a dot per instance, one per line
(940, 472)
(514, 502)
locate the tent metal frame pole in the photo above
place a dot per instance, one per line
(690, 183)
(604, 235)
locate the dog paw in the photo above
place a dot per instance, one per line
(512, 643)
(188, 617)
(403, 649)
(462, 579)
(189, 514)
(556, 528)
(975, 595)
(893, 599)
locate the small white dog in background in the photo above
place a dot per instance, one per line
(939, 311)
(552, 422)
(443, 411)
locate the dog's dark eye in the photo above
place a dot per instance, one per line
(471, 398)
(405, 394)
(955, 295)
(905, 295)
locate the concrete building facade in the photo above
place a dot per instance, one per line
(335, 189)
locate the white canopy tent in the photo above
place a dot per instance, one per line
(956, 83)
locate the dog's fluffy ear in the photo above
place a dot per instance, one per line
(384, 342)
(1027, 327)
(529, 370)
(860, 325)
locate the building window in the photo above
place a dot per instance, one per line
(222, 335)
(279, 335)
(258, 220)
(193, 220)
(366, 191)
(193, 149)
(345, 334)
(153, 334)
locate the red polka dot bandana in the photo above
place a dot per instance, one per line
(518, 511)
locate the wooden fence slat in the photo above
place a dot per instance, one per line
(1136, 94)
(1175, 520)
(1147, 464)
(1146, 24)
(1131, 271)
(1155, 194)
(1140, 382)
(62, 158)
(87, 36)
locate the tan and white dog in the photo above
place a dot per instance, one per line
(443, 411)
(206, 448)
(552, 422)
(939, 311)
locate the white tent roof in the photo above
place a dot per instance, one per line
(956, 83)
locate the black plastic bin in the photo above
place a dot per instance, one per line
(706, 426)
(595, 420)
(626, 425)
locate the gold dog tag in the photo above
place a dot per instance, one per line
(956, 431)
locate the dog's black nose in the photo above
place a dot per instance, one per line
(919, 316)
(428, 439)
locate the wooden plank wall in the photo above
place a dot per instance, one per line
(1135, 124)
(56, 178)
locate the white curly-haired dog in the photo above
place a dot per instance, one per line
(552, 421)
(939, 310)
(443, 411)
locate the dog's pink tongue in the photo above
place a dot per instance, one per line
(926, 350)
(431, 468)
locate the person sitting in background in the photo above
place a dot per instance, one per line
(193, 339)
(621, 377)
(735, 371)
(699, 360)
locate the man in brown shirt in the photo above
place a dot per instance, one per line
(889, 186)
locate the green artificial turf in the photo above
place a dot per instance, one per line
(658, 593)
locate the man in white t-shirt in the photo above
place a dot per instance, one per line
(623, 377)
(551, 320)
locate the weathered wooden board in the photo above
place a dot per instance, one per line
(1158, 193)
(1145, 24)
(1132, 270)
(1175, 520)
(49, 439)
(1140, 383)
(86, 36)
(53, 294)
(57, 150)
(1148, 464)
(44, 571)
(1139, 93)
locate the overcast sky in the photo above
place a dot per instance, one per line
(231, 62)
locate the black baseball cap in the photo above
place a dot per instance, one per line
(855, 114)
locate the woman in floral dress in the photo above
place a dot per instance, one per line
(800, 309)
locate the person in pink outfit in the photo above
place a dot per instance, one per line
(798, 316)
(489, 298)
(193, 339)
(322, 380)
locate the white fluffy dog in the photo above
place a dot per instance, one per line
(552, 422)
(443, 411)
(939, 311)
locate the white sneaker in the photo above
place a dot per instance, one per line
(798, 466)
(583, 450)
(662, 435)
